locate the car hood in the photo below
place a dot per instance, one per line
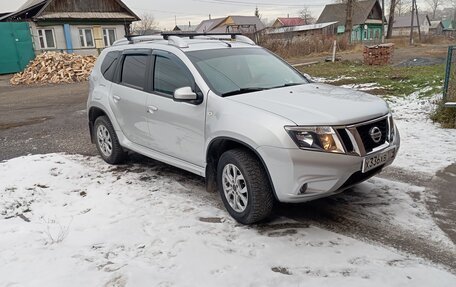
(317, 104)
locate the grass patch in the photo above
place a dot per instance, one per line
(444, 115)
(392, 81)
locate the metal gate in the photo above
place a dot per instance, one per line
(449, 90)
(16, 47)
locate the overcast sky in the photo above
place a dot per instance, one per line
(165, 12)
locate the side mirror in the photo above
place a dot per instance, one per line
(185, 94)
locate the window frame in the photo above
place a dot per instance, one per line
(120, 65)
(174, 59)
(115, 63)
(106, 37)
(84, 36)
(44, 37)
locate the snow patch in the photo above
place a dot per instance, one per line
(81, 222)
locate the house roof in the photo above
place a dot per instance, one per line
(185, 28)
(38, 9)
(300, 28)
(219, 25)
(294, 21)
(405, 21)
(338, 12)
(208, 25)
(435, 24)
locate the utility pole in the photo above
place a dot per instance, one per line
(418, 21)
(349, 20)
(383, 21)
(411, 25)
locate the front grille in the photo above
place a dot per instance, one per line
(368, 142)
(346, 140)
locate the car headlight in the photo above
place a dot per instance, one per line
(316, 138)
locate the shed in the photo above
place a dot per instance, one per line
(325, 29)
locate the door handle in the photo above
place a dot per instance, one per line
(116, 99)
(152, 109)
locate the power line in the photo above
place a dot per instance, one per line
(244, 3)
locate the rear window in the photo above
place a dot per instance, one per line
(108, 67)
(134, 71)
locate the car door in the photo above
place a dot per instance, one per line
(176, 128)
(128, 95)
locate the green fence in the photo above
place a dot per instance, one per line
(449, 90)
(16, 48)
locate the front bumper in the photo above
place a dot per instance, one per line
(324, 174)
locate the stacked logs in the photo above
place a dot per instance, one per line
(55, 68)
(378, 54)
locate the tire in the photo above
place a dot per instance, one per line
(248, 196)
(107, 143)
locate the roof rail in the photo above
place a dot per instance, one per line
(133, 39)
(215, 36)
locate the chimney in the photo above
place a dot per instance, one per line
(209, 16)
(189, 24)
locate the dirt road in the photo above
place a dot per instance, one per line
(35, 120)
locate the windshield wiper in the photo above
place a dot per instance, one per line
(287, 85)
(242, 91)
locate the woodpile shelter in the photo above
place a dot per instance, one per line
(302, 31)
(79, 26)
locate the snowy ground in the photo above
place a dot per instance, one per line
(425, 147)
(75, 221)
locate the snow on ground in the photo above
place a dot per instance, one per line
(425, 146)
(76, 221)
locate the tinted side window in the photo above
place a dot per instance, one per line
(169, 76)
(134, 70)
(108, 67)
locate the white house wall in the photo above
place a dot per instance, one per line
(60, 41)
(59, 36)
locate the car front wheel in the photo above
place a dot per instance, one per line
(244, 186)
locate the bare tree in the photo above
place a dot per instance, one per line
(434, 5)
(306, 15)
(146, 24)
(402, 7)
(389, 32)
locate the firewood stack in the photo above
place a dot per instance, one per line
(378, 54)
(55, 68)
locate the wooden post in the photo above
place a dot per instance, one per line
(349, 20)
(334, 51)
(411, 24)
(383, 21)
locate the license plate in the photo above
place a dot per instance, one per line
(378, 159)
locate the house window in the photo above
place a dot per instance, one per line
(109, 36)
(46, 37)
(86, 38)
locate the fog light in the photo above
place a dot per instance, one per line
(303, 189)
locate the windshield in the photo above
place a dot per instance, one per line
(243, 70)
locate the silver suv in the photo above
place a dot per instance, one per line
(230, 111)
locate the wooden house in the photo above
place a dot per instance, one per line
(367, 19)
(79, 26)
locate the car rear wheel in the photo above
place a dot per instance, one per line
(106, 141)
(244, 186)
